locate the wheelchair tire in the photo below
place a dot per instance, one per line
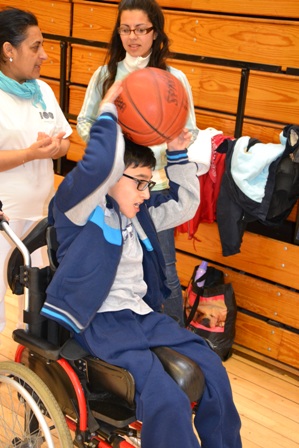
(29, 413)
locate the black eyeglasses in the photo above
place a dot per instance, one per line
(142, 184)
(139, 31)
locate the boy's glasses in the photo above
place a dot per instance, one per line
(139, 31)
(142, 184)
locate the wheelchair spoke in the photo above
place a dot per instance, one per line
(29, 415)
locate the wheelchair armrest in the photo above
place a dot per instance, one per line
(186, 373)
(37, 345)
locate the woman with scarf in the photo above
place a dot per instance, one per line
(138, 41)
(33, 132)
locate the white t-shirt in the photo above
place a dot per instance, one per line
(26, 190)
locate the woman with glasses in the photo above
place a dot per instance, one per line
(138, 41)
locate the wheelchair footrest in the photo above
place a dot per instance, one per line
(112, 413)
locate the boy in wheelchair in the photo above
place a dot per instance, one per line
(110, 283)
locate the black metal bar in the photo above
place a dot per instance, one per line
(63, 74)
(292, 71)
(228, 62)
(241, 102)
(76, 40)
(62, 91)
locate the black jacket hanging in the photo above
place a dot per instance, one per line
(235, 209)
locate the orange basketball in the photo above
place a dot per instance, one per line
(153, 106)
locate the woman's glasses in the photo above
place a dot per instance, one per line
(139, 31)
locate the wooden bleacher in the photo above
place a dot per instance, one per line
(242, 62)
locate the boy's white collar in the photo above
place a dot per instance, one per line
(131, 63)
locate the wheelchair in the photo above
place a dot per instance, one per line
(55, 394)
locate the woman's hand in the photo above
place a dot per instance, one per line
(180, 142)
(46, 147)
(3, 217)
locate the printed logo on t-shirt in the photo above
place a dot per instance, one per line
(47, 115)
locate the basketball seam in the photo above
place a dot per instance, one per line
(141, 114)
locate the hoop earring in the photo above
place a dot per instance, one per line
(10, 59)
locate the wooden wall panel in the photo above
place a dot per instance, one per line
(76, 98)
(51, 67)
(266, 132)
(288, 351)
(261, 256)
(258, 335)
(55, 85)
(273, 96)
(213, 87)
(293, 214)
(221, 122)
(76, 151)
(94, 21)
(281, 8)
(53, 17)
(277, 343)
(236, 38)
(85, 61)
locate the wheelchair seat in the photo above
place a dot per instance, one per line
(109, 389)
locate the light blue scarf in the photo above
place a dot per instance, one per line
(29, 89)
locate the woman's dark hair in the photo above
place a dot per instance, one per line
(160, 49)
(13, 27)
(137, 155)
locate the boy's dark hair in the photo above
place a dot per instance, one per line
(138, 155)
(14, 23)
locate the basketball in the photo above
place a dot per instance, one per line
(153, 106)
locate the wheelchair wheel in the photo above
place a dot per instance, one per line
(29, 414)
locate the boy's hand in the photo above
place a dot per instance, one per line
(111, 94)
(181, 142)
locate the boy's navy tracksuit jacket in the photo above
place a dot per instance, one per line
(89, 250)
